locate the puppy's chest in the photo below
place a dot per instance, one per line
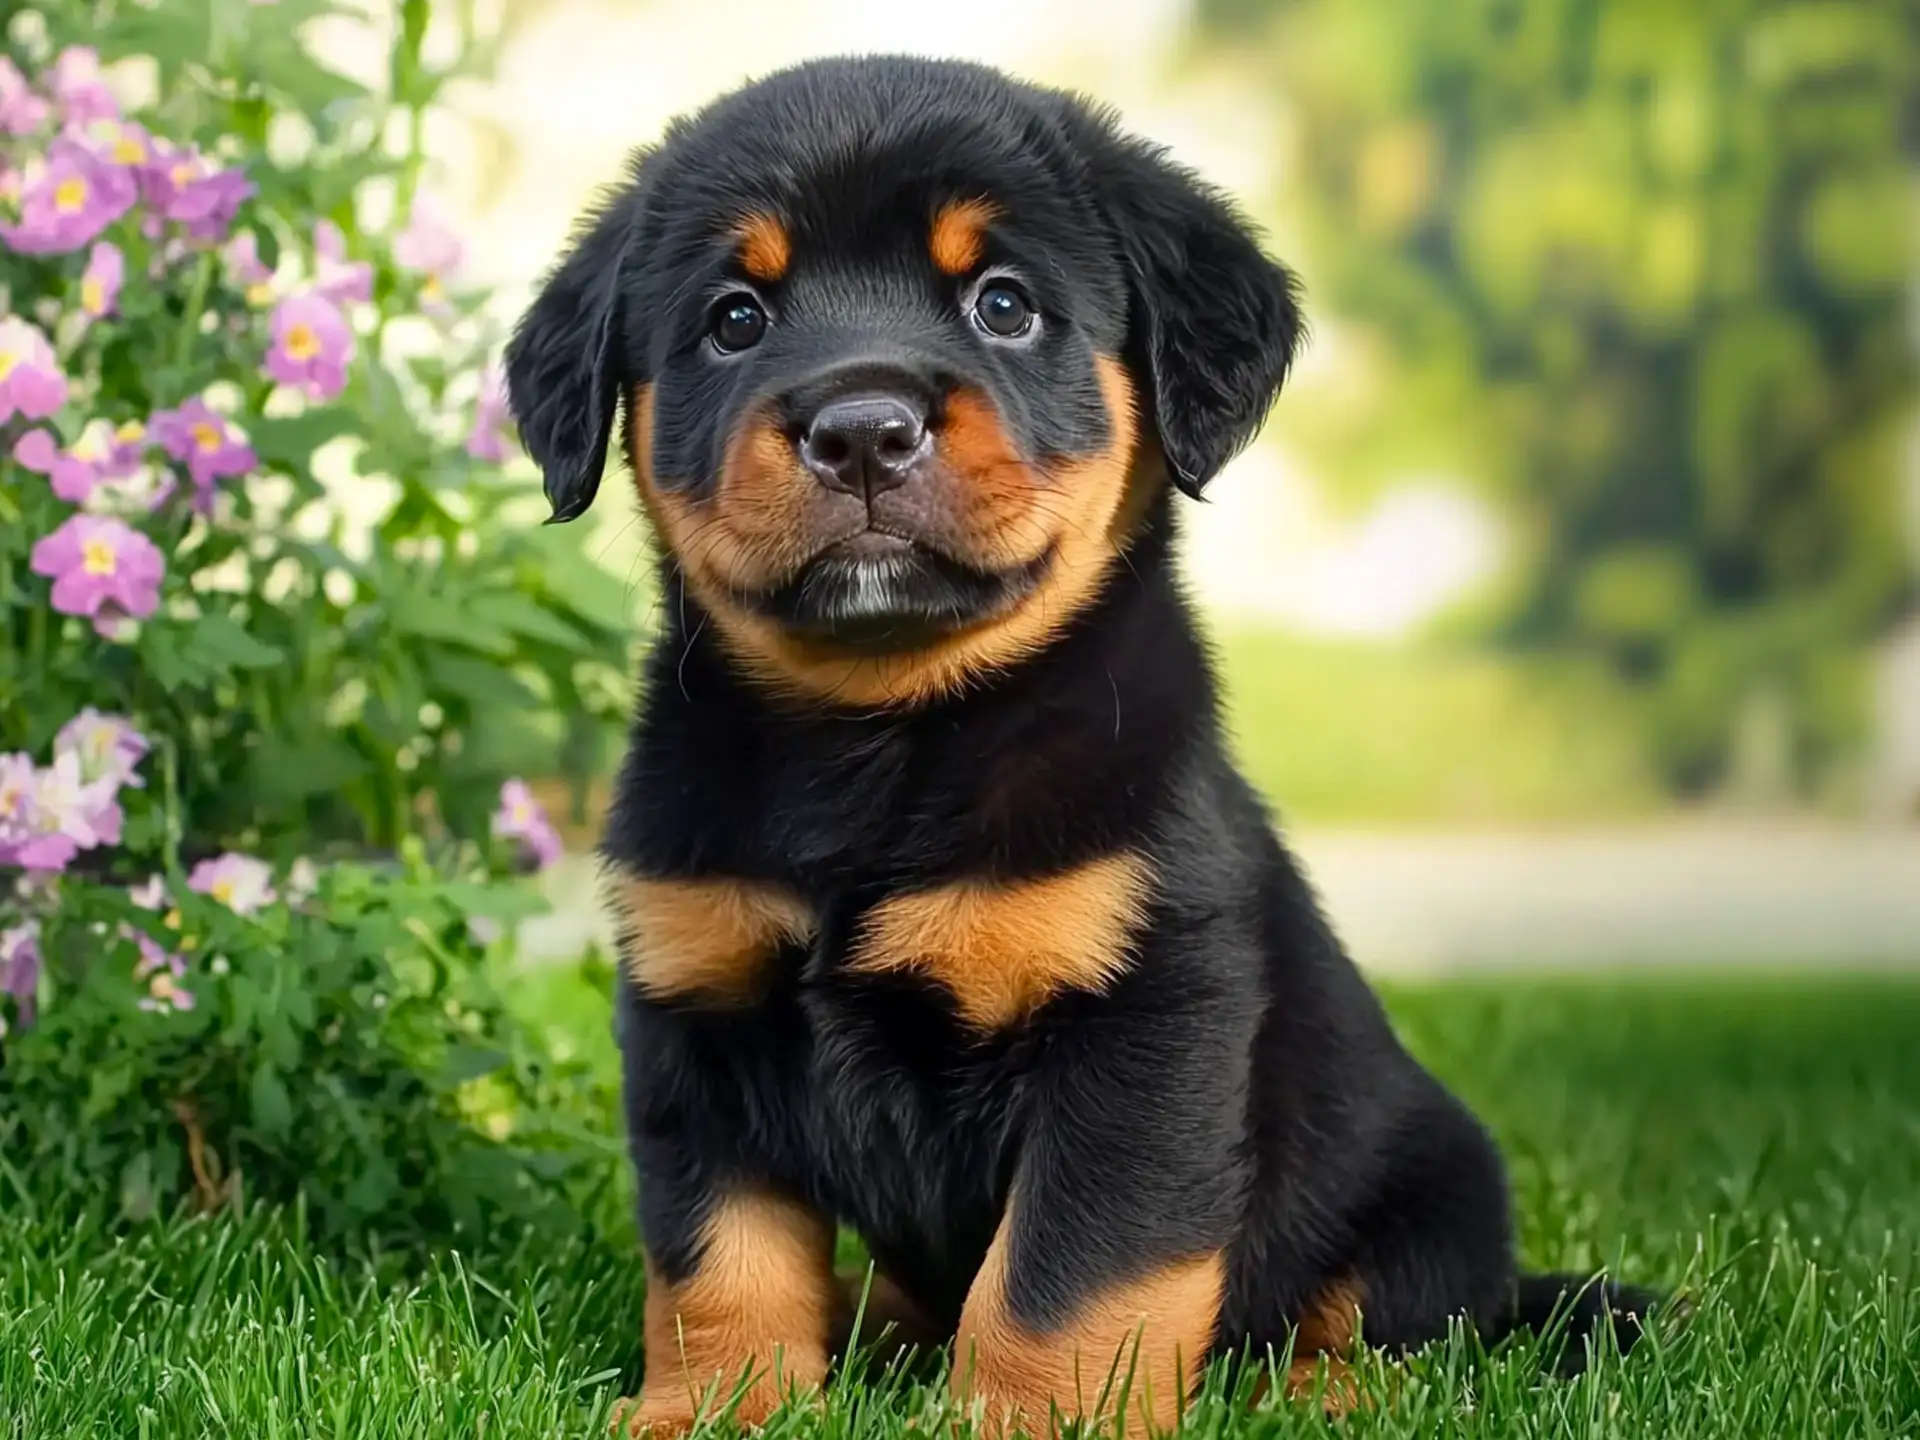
(993, 952)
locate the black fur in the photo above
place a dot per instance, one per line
(1239, 1087)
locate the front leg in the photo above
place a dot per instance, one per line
(751, 1300)
(1100, 1295)
(740, 1284)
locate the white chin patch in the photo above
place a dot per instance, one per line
(872, 587)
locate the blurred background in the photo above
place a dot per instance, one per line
(1568, 601)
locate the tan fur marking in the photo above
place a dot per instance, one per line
(750, 532)
(710, 938)
(1141, 1345)
(1004, 950)
(762, 1297)
(958, 238)
(766, 249)
(1327, 1331)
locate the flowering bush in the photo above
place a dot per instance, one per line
(276, 632)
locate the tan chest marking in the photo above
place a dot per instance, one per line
(1002, 950)
(710, 938)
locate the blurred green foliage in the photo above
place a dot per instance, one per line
(1634, 268)
(1436, 734)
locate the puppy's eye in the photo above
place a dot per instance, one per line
(738, 323)
(1002, 311)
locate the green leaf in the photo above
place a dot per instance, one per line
(169, 658)
(431, 616)
(272, 1106)
(505, 903)
(292, 769)
(289, 441)
(220, 641)
(469, 1062)
(484, 686)
(577, 582)
(520, 616)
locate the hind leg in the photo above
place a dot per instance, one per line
(1436, 1244)
(1431, 1244)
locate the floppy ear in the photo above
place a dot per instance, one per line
(565, 361)
(1213, 323)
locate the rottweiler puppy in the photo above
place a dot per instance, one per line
(945, 912)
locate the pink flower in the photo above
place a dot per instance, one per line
(246, 269)
(48, 816)
(75, 197)
(239, 882)
(150, 896)
(67, 803)
(161, 969)
(18, 781)
(193, 191)
(520, 817)
(430, 247)
(31, 382)
(99, 454)
(339, 279)
(206, 441)
(100, 284)
(78, 89)
(21, 111)
(101, 567)
(73, 478)
(487, 440)
(108, 748)
(20, 965)
(312, 344)
(117, 142)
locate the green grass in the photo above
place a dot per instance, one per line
(1755, 1140)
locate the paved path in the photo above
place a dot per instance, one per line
(1790, 894)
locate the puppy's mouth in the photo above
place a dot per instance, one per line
(886, 592)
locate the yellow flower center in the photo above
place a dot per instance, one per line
(97, 557)
(129, 151)
(207, 436)
(7, 361)
(93, 296)
(70, 195)
(163, 986)
(302, 343)
(128, 433)
(89, 446)
(182, 173)
(222, 891)
(258, 295)
(430, 290)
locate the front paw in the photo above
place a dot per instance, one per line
(672, 1407)
(652, 1416)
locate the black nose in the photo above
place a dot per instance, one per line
(864, 444)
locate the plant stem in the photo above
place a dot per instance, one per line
(190, 319)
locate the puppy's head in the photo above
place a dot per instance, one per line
(905, 349)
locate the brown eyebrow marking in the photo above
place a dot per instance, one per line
(959, 235)
(766, 250)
